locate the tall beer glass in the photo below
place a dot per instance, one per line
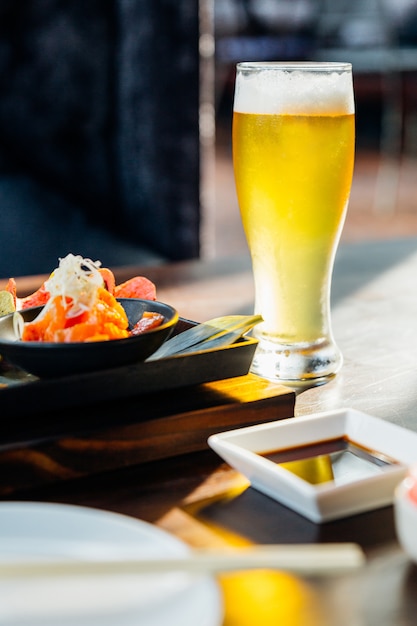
(293, 156)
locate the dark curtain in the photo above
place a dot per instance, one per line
(99, 142)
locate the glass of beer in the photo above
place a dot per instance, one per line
(293, 157)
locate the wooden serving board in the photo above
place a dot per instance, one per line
(68, 444)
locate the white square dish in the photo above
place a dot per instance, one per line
(349, 491)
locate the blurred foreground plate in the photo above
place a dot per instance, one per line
(42, 529)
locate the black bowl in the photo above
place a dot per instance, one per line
(51, 360)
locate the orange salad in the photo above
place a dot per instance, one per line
(58, 323)
(80, 307)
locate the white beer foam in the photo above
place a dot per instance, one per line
(276, 91)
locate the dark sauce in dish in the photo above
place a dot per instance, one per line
(339, 460)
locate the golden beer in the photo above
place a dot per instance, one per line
(293, 174)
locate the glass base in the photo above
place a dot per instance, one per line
(295, 363)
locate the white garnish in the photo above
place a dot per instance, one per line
(18, 324)
(76, 278)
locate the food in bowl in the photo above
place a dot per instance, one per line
(79, 304)
(138, 287)
(83, 322)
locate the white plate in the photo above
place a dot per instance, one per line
(36, 529)
(242, 449)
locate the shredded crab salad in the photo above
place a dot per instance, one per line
(76, 281)
(80, 308)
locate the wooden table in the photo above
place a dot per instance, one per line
(203, 501)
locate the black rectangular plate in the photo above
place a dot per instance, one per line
(22, 394)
